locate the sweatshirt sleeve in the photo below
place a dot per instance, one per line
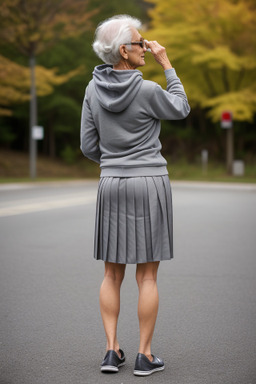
(89, 134)
(169, 104)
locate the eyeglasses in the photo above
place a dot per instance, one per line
(141, 43)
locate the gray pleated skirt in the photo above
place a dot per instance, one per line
(134, 220)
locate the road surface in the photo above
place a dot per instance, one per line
(50, 325)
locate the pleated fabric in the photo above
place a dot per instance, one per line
(134, 221)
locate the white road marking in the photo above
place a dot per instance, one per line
(25, 206)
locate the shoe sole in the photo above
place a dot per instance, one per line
(147, 373)
(111, 368)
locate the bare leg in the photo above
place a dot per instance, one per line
(146, 276)
(110, 302)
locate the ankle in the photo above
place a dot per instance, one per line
(115, 348)
(148, 355)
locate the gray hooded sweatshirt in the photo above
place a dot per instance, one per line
(120, 122)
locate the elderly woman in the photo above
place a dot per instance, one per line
(120, 129)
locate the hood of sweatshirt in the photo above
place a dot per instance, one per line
(116, 89)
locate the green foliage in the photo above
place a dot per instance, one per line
(213, 53)
(32, 25)
(6, 136)
(59, 112)
(69, 155)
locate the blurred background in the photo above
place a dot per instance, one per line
(46, 62)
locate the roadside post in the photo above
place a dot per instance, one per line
(227, 123)
(204, 158)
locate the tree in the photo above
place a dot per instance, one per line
(212, 44)
(15, 83)
(12, 82)
(33, 25)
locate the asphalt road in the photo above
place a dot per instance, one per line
(50, 325)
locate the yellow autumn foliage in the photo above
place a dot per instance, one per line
(15, 82)
(32, 25)
(212, 45)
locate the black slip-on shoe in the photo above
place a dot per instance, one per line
(145, 367)
(112, 361)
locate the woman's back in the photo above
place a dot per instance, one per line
(126, 111)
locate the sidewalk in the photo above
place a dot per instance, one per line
(216, 185)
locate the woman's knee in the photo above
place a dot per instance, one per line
(115, 271)
(147, 271)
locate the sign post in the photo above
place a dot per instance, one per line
(37, 133)
(227, 123)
